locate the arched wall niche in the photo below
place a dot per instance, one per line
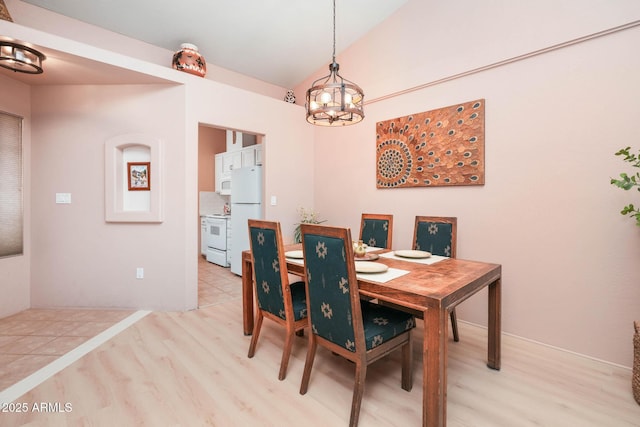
(137, 201)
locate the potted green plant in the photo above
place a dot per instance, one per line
(627, 182)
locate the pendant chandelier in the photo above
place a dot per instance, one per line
(18, 57)
(333, 100)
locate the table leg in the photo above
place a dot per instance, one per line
(495, 315)
(247, 296)
(434, 365)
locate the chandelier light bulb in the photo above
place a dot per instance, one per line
(325, 98)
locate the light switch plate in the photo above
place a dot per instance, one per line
(274, 201)
(63, 198)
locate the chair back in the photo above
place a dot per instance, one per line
(333, 302)
(377, 230)
(436, 234)
(269, 266)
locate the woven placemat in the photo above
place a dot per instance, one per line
(635, 381)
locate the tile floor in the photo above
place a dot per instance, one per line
(32, 339)
(216, 284)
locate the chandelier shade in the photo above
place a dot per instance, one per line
(333, 100)
(17, 57)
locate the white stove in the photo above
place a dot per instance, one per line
(217, 237)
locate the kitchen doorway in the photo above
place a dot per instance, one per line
(217, 283)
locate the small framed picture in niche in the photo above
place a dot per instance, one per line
(139, 176)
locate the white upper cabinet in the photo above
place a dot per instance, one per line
(252, 155)
(226, 162)
(231, 161)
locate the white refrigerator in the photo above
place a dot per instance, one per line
(246, 203)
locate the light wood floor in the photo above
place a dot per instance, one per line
(191, 369)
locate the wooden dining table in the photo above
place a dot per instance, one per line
(434, 290)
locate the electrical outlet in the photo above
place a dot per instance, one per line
(139, 273)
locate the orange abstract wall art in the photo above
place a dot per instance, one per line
(435, 148)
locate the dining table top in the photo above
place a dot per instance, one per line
(444, 283)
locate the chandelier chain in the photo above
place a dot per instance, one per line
(334, 31)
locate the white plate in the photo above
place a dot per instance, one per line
(370, 267)
(411, 253)
(294, 254)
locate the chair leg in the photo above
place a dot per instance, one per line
(407, 365)
(286, 353)
(358, 391)
(454, 325)
(308, 364)
(256, 333)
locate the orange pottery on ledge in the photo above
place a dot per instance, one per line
(189, 60)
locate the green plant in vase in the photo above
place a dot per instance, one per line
(627, 182)
(307, 216)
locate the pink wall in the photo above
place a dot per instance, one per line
(553, 123)
(78, 259)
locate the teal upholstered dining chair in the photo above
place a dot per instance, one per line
(340, 321)
(278, 300)
(438, 235)
(377, 230)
